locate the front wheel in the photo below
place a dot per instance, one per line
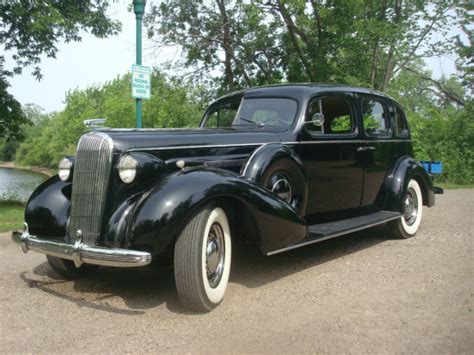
(408, 224)
(202, 259)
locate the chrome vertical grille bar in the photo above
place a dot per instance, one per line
(89, 185)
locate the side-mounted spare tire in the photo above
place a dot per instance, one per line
(285, 179)
(278, 168)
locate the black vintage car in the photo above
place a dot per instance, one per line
(284, 166)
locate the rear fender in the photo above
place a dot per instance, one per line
(396, 181)
(164, 211)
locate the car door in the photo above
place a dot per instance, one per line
(385, 130)
(378, 153)
(329, 154)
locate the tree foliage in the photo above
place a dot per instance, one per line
(173, 104)
(231, 44)
(30, 29)
(362, 42)
(11, 114)
(441, 129)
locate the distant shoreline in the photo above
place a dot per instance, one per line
(36, 169)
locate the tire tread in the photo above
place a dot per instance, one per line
(187, 252)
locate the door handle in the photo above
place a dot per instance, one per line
(363, 149)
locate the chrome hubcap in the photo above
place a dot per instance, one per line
(215, 254)
(411, 207)
(280, 186)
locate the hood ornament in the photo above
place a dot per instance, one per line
(94, 123)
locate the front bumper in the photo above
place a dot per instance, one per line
(81, 253)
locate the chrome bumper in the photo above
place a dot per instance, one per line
(80, 253)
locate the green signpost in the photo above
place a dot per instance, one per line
(139, 9)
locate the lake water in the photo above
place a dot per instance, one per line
(17, 184)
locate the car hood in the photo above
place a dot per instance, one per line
(147, 139)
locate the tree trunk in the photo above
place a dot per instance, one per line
(290, 25)
(388, 67)
(390, 56)
(375, 64)
(227, 45)
(376, 52)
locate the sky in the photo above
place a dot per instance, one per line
(83, 64)
(93, 61)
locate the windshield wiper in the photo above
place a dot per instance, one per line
(260, 124)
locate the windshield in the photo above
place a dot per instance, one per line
(253, 111)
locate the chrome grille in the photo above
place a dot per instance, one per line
(89, 185)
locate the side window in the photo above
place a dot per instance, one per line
(399, 121)
(222, 116)
(374, 118)
(329, 115)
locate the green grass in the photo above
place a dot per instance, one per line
(452, 185)
(11, 215)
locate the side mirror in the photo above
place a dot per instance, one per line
(317, 119)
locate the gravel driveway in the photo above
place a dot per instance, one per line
(358, 293)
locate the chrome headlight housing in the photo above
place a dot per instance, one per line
(127, 168)
(65, 168)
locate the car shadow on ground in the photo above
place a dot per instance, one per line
(134, 291)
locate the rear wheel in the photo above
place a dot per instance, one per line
(202, 259)
(408, 224)
(68, 270)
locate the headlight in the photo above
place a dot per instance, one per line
(65, 169)
(127, 168)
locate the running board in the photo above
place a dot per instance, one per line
(323, 231)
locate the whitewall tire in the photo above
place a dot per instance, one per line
(202, 259)
(408, 224)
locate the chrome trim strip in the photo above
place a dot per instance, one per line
(81, 253)
(255, 144)
(195, 146)
(317, 240)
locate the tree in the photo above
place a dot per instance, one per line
(233, 36)
(30, 29)
(11, 115)
(465, 48)
(174, 103)
(362, 42)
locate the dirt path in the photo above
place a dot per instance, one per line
(360, 293)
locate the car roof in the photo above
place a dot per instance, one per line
(299, 90)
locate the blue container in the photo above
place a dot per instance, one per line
(432, 167)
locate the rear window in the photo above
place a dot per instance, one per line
(399, 121)
(375, 118)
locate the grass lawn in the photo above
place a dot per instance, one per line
(11, 215)
(450, 185)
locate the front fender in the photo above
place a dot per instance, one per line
(265, 156)
(47, 209)
(164, 211)
(394, 187)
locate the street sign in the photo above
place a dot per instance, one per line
(141, 82)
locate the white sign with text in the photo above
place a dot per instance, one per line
(141, 83)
